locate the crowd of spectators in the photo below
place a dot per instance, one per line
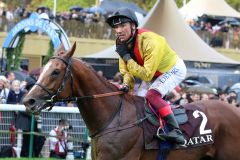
(180, 95)
(13, 90)
(216, 33)
(83, 15)
(225, 33)
(92, 24)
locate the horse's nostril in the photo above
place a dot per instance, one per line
(31, 101)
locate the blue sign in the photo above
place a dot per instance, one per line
(33, 23)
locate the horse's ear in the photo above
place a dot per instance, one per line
(70, 52)
(60, 50)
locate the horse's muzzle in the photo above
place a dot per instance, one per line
(34, 106)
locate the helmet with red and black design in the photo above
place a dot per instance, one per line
(123, 15)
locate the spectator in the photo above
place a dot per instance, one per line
(23, 122)
(58, 139)
(30, 81)
(10, 76)
(232, 98)
(4, 91)
(223, 97)
(214, 94)
(16, 94)
(195, 97)
(184, 99)
(174, 97)
(10, 18)
(189, 98)
(204, 96)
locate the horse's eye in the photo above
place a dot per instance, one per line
(55, 73)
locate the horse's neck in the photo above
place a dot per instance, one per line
(88, 82)
(95, 111)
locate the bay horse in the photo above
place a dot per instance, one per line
(104, 109)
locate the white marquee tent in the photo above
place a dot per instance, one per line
(197, 8)
(165, 19)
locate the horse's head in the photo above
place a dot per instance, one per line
(54, 79)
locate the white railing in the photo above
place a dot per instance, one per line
(49, 121)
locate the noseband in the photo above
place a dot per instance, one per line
(55, 94)
(54, 98)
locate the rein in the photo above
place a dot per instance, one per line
(119, 128)
(77, 99)
(68, 73)
(103, 130)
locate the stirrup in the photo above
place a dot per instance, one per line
(159, 132)
(164, 137)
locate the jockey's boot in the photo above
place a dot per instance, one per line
(175, 134)
(164, 110)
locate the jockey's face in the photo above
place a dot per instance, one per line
(124, 31)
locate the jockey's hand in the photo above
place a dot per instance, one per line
(124, 88)
(122, 50)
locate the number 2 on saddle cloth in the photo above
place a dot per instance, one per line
(192, 121)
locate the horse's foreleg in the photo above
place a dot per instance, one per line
(123, 145)
(149, 155)
(135, 152)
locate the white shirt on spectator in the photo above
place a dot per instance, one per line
(4, 95)
(56, 142)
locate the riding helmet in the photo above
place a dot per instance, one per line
(122, 15)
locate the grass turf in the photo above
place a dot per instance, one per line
(230, 53)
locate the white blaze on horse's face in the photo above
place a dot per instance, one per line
(41, 77)
(45, 70)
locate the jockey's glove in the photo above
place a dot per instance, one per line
(124, 88)
(122, 50)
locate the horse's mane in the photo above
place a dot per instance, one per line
(102, 78)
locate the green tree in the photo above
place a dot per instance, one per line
(49, 54)
(148, 4)
(144, 4)
(180, 3)
(63, 5)
(234, 3)
(14, 55)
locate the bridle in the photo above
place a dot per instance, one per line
(56, 93)
(54, 98)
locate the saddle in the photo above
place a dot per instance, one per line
(178, 111)
(189, 125)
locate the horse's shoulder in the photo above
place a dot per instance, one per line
(137, 98)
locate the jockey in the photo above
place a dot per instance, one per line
(146, 55)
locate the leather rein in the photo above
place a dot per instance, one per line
(54, 98)
(54, 94)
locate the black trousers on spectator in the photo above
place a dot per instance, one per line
(59, 156)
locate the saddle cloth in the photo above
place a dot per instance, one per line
(192, 121)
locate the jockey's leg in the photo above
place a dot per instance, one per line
(164, 111)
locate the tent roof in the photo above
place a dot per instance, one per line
(180, 36)
(196, 8)
(165, 20)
